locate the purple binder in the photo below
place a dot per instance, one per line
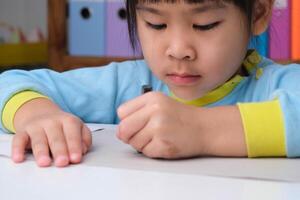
(116, 31)
(280, 30)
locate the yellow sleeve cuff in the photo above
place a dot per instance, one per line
(13, 104)
(264, 128)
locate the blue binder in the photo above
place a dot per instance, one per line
(86, 34)
(261, 44)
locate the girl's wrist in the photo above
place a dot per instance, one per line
(33, 109)
(201, 137)
(221, 131)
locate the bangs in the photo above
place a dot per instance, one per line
(246, 6)
(177, 1)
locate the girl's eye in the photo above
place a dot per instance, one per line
(156, 26)
(206, 27)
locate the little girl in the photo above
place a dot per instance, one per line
(211, 95)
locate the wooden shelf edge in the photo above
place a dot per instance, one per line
(71, 62)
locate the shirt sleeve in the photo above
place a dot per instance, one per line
(272, 121)
(12, 106)
(264, 129)
(93, 94)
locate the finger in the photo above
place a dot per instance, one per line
(151, 150)
(58, 145)
(86, 138)
(40, 147)
(73, 138)
(140, 140)
(19, 143)
(159, 149)
(134, 123)
(133, 105)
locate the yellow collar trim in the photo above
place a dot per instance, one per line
(214, 95)
(250, 63)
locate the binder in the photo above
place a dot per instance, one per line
(295, 30)
(261, 44)
(280, 31)
(86, 28)
(118, 43)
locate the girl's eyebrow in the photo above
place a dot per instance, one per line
(205, 8)
(148, 9)
(196, 10)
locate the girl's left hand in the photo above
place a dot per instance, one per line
(161, 127)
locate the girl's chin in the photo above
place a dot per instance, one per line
(185, 93)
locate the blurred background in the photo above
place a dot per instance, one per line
(23, 33)
(25, 14)
(66, 34)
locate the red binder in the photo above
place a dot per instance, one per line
(295, 30)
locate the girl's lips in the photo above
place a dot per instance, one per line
(183, 79)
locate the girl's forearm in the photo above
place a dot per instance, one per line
(223, 131)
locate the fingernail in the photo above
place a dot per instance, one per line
(61, 161)
(17, 157)
(75, 157)
(43, 161)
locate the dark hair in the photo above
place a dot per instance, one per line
(246, 6)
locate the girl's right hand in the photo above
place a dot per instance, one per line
(50, 133)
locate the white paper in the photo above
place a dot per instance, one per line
(78, 182)
(108, 151)
(5, 145)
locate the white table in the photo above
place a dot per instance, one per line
(113, 170)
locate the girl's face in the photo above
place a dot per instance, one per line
(193, 48)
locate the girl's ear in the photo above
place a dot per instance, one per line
(261, 16)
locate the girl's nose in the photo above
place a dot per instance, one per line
(180, 50)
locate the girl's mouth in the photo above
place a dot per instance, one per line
(183, 79)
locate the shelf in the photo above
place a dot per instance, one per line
(70, 62)
(285, 62)
(23, 54)
(59, 59)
